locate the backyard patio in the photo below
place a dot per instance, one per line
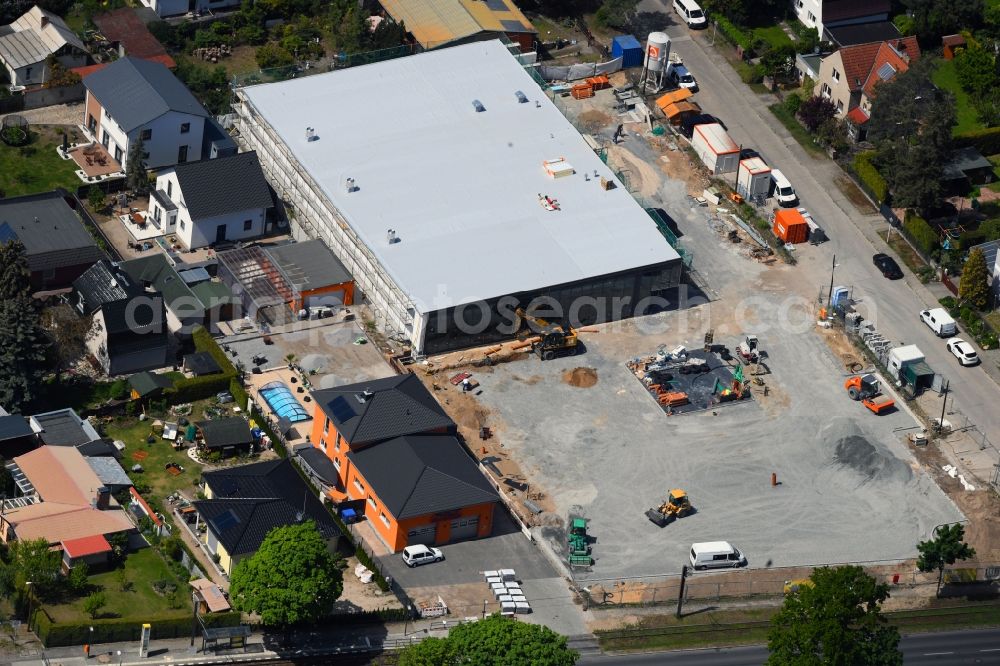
(94, 161)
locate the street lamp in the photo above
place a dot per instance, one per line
(27, 592)
(120, 658)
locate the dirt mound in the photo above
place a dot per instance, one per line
(580, 377)
(853, 450)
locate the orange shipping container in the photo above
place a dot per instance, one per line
(790, 226)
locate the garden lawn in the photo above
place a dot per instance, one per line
(773, 35)
(946, 77)
(797, 130)
(140, 601)
(36, 167)
(134, 433)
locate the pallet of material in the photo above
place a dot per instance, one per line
(599, 82)
(673, 399)
(582, 91)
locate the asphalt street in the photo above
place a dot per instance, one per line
(892, 305)
(954, 647)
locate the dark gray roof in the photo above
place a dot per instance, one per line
(64, 428)
(148, 383)
(382, 409)
(154, 270)
(135, 91)
(989, 250)
(963, 161)
(251, 500)
(223, 185)
(864, 33)
(220, 433)
(15, 426)
(145, 318)
(318, 462)
(418, 475)
(102, 283)
(99, 448)
(201, 363)
(309, 265)
(52, 234)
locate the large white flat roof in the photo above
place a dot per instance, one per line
(460, 187)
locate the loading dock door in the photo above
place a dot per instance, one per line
(423, 534)
(465, 528)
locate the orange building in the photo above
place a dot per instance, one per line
(395, 454)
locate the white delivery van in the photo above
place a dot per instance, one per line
(784, 193)
(692, 14)
(939, 321)
(716, 555)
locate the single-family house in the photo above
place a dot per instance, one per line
(57, 246)
(226, 436)
(165, 8)
(61, 499)
(849, 76)
(437, 23)
(825, 14)
(134, 99)
(154, 273)
(30, 44)
(212, 201)
(16, 436)
(243, 504)
(63, 427)
(130, 36)
(129, 331)
(397, 459)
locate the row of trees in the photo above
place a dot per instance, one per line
(978, 71)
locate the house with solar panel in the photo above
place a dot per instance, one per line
(30, 45)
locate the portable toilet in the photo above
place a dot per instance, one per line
(628, 49)
(753, 177)
(789, 226)
(841, 297)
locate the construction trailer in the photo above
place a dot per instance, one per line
(753, 178)
(441, 224)
(715, 148)
(789, 226)
(907, 365)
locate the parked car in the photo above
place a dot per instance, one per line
(939, 321)
(224, 397)
(419, 554)
(679, 76)
(890, 269)
(963, 351)
(716, 555)
(688, 124)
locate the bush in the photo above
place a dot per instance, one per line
(870, 177)
(986, 141)
(120, 630)
(815, 111)
(792, 103)
(733, 34)
(920, 233)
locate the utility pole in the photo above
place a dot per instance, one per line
(829, 294)
(944, 402)
(680, 594)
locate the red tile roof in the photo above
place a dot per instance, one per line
(857, 61)
(953, 40)
(90, 545)
(857, 116)
(897, 53)
(126, 28)
(862, 61)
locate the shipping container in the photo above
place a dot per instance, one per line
(628, 49)
(790, 226)
(715, 148)
(753, 178)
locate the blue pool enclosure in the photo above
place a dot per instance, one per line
(282, 402)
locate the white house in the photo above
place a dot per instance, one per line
(212, 201)
(27, 44)
(134, 99)
(823, 14)
(177, 7)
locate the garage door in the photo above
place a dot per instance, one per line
(465, 528)
(423, 534)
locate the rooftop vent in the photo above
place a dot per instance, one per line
(521, 97)
(364, 396)
(478, 106)
(311, 134)
(391, 237)
(349, 185)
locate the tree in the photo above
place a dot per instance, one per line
(77, 579)
(615, 13)
(932, 19)
(93, 604)
(495, 641)
(273, 55)
(15, 275)
(68, 334)
(815, 111)
(947, 547)
(22, 341)
(779, 62)
(974, 288)
(291, 579)
(96, 199)
(34, 563)
(838, 620)
(135, 173)
(975, 68)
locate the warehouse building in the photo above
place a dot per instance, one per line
(454, 191)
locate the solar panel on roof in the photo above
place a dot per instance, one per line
(496, 5)
(342, 411)
(886, 71)
(6, 233)
(513, 26)
(224, 521)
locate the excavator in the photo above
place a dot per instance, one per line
(867, 389)
(677, 506)
(551, 340)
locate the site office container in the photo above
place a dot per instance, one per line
(628, 49)
(753, 178)
(715, 148)
(789, 226)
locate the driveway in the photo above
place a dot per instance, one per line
(892, 306)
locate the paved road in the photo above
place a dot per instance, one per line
(893, 306)
(957, 647)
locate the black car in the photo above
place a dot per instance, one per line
(688, 125)
(890, 269)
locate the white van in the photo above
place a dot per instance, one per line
(939, 321)
(784, 193)
(716, 555)
(692, 14)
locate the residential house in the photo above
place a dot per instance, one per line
(826, 14)
(30, 44)
(164, 8)
(437, 23)
(862, 33)
(212, 201)
(226, 436)
(848, 77)
(154, 273)
(61, 499)
(16, 436)
(243, 504)
(129, 332)
(991, 252)
(63, 427)
(133, 99)
(397, 460)
(56, 244)
(129, 34)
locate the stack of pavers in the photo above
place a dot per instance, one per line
(507, 591)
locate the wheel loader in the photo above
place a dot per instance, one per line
(676, 506)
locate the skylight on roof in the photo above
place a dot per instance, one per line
(224, 521)
(342, 411)
(886, 71)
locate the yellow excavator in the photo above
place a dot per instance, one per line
(550, 340)
(677, 506)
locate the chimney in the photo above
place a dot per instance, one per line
(102, 499)
(45, 20)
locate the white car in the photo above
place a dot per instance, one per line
(414, 556)
(963, 351)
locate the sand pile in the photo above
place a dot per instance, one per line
(580, 377)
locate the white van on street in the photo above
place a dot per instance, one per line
(693, 15)
(716, 555)
(784, 193)
(939, 321)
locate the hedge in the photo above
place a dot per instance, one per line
(870, 177)
(986, 141)
(732, 33)
(920, 233)
(190, 389)
(120, 630)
